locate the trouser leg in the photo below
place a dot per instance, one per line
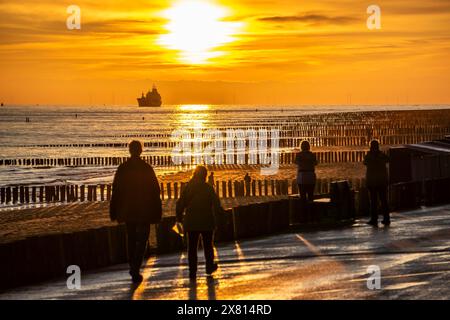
(137, 244)
(303, 195)
(207, 237)
(306, 197)
(131, 239)
(310, 196)
(373, 204)
(192, 239)
(310, 192)
(384, 204)
(303, 207)
(142, 233)
(302, 192)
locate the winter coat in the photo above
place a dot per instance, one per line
(135, 193)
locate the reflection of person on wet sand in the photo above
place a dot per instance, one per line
(211, 284)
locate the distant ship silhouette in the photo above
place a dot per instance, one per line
(151, 99)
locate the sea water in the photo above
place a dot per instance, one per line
(53, 125)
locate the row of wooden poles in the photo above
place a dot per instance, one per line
(285, 158)
(326, 130)
(169, 190)
(294, 141)
(356, 124)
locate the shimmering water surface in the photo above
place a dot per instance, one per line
(106, 124)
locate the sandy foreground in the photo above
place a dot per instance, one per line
(21, 223)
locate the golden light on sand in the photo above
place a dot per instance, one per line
(196, 28)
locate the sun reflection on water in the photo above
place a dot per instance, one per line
(194, 107)
(193, 116)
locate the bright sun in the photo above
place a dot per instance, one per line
(196, 28)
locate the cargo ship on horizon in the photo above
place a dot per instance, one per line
(151, 99)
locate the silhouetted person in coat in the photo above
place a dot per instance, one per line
(202, 206)
(377, 182)
(306, 177)
(136, 202)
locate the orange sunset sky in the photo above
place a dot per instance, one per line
(224, 52)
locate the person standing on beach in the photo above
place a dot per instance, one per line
(377, 183)
(202, 206)
(306, 177)
(136, 202)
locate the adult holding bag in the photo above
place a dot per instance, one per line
(201, 206)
